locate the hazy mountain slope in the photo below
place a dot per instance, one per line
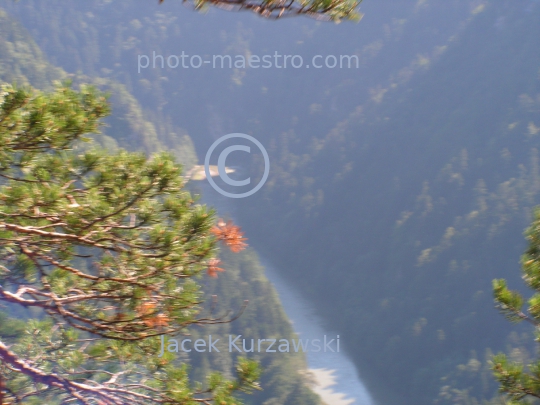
(424, 197)
(23, 63)
(107, 37)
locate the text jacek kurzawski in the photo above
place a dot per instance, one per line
(238, 344)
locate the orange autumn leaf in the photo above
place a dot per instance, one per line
(158, 320)
(213, 268)
(146, 308)
(231, 235)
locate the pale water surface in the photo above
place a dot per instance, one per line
(335, 377)
(337, 380)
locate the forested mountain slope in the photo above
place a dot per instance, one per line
(410, 207)
(107, 37)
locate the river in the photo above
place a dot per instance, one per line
(334, 376)
(336, 379)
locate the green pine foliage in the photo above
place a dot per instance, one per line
(519, 379)
(106, 246)
(325, 10)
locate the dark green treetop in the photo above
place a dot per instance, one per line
(521, 382)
